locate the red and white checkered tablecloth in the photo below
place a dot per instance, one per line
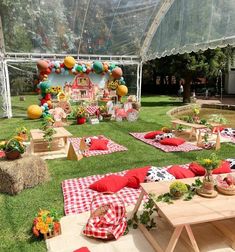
(112, 147)
(92, 109)
(113, 221)
(185, 147)
(78, 196)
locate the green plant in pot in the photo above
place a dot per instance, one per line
(13, 148)
(178, 189)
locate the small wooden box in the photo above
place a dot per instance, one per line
(52, 233)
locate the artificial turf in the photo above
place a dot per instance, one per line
(17, 212)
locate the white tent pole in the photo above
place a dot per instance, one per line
(140, 81)
(161, 12)
(7, 90)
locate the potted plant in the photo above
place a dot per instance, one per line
(46, 224)
(178, 189)
(81, 114)
(104, 113)
(209, 165)
(13, 148)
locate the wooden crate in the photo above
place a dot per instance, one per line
(52, 233)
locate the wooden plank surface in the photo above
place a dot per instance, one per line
(197, 210)
(37, 134)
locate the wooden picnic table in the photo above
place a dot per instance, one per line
(184, 214)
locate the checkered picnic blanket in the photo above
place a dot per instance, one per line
(185, 147)
(110, 218)
(228, 133)
(78, 196)
(92, 109)
(112, 147)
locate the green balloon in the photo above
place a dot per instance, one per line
(98, 67)
(79, 68)
(112, 66)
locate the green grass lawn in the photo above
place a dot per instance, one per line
(17, 212)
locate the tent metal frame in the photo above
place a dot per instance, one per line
(161, 11)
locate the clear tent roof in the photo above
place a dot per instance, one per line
(146, 28)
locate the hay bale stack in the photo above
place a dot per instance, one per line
(25, 172)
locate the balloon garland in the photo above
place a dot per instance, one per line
(71, 66)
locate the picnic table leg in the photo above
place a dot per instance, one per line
(191, 133)
(174, 238)
(137, 205)
(192, 238)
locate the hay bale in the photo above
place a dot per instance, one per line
(25, 172)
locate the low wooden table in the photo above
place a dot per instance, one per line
(59, 144)
(195, 128)
(183, 214)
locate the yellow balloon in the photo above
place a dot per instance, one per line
(69, 62)
(34, 112)
(122, 90)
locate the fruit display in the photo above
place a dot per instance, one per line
(226, 185)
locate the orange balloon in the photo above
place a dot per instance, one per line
(122, 90)
(42, 65)
(117, 73)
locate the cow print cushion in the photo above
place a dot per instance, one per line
(229, 132)
(163, 136)
(232, 162)
(156, 174)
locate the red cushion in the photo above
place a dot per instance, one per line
(83, 249)
(99, 144)
(179, 172)
(218, 128)
(152, 134)
(197, 169)
(223, 168)
(111, 183)
(172, 141)
(136, 176)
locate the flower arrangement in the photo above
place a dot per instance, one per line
(81, 112)
(22, 132)
(46, 221)
(209, 163)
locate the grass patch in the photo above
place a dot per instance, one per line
(17, 212)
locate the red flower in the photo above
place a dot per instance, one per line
(56, 227)
(35, 231)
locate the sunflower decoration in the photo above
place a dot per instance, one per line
(112, 85)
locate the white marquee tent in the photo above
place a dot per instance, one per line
(127, 32)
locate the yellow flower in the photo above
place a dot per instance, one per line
(43, 212)
(18, 138)
(44, 229)
(49, 220)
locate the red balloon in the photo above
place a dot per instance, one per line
(42, 65)
(43, 101)
(47, 97)
(117, 73)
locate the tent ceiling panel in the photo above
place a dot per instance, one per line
(191, 25)
(116, 27)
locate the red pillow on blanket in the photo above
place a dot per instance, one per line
(136, 176)
(172, 141)
(198, 170)
(99, 144)
(180, 172)
(223, 168)
(152, 134)
(218, 128)
(83, 249)
(111, 183)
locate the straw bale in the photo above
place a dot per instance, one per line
(22, 173)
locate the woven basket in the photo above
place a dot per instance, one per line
(226, 191)
(102, 210)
